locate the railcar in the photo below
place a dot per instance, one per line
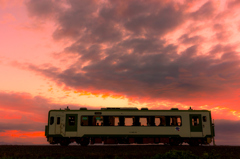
(129, 125)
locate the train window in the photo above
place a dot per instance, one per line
(51, 120)
(195, 121)
(166, 121)
(136, 121)
(162, 121)
(98, 121)
(116, 121)
(157, 121)
(151, 121)
(71, 120)
(121, 121)
(175, 121)
(179, 121)
(143, 121)
(58, 120)
(84, 121)
(204, 118)
(129, 121)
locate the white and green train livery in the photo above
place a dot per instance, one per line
(129, 125)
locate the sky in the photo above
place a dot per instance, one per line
(159, 54)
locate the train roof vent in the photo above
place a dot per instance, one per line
(174, 108)
(108, 108)
(129, 108)
(83, 108)
(144, 108)
(67, 108)
(121, 108)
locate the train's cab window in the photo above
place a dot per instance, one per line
(71, 120)
(204, 119)
(143, 121)
(98, 120)
(84, 121)
(51, 120)
(58, 120)
(195, 121)
(128, 121)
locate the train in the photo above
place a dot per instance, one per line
(129, 126)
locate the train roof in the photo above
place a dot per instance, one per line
(129, 109)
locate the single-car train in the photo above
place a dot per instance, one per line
(129, 125)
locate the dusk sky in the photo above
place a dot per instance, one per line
(158, 54)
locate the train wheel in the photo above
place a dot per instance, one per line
(84, 142)
(174, 142)
(193, 143)
(64, 142)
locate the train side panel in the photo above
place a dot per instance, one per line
(66, 125)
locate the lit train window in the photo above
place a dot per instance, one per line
(128, 121)
(160, 121)
(58, 120)
(84, 121)
(51, 120)
(71, 120)
(143, 121)
(116, 121)
(195, 121)
(111, 121)
(179, 121)
(166, 121)
(157, 121)
(204, 118)
(97, 121)
(175, 121)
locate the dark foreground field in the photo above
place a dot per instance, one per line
(119, 151)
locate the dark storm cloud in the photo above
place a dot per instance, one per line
(185, 39)
(156, 75)
(42, 8)
(91, 21)
(206, 11)
(126, 52)
(165, 19)
(233, 3)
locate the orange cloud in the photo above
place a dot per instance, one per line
(22, 134)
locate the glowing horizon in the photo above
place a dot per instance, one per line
(155, 54)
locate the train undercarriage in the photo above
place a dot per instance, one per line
(85, 141)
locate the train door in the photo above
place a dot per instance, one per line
(52, 123)
(196, 125)
(71, 122)
(59, 124)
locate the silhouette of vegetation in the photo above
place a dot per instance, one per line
(119, 152)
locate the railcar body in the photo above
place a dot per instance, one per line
(129, 125)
